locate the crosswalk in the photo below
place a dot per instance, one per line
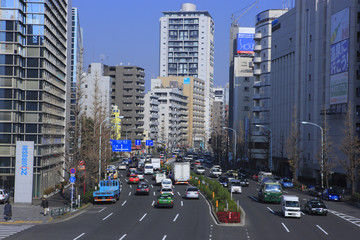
(8, 230)
(351, 219)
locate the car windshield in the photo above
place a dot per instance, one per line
(272, 188)
(167, 182)
(333, 192)
(292, 204)
(317, 204)
(148, 166)
(286, 181)
(222, 179)
(192, 189)
(235, 184)
(166, 190)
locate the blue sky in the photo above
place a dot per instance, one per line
(128, 31)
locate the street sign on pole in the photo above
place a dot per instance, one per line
(137, 142)
(149, 143)
(72, 179)
(72, 170)
(72, 175)
(121, 145)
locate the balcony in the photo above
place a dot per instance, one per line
(257, 60)
(257, 36)
(257, 48)
(257, 84)
(257, 72)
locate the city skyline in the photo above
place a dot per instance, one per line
(117, 49)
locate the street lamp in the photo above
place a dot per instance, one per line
(271, 162)
(322, 151)
(107, 119)
(234, 142)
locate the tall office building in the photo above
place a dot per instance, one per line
(315, 71)
(187, 49)
(74, 71)
(33, 54)
(127, 92)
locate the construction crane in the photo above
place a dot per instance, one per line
(234, 20)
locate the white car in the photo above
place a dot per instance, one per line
(148, 169)
(4, 196)
(140, 175)
(122, 166)
(166, 183)
(167, 190)
(215, 172)
(200, 170)
(234, 186)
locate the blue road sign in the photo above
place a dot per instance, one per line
(137, 142)
(72, 179)
(149, 143)
(121, 145)
(72, 170)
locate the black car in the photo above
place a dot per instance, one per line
(223, 181)
(244, 182)
(315, 191)
(315, 206)
(142, 188)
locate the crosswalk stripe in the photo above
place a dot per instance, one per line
(7, 231)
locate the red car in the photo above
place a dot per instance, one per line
(133, 178)
(255, 177)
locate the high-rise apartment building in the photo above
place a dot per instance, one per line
(194, 89)
(33, 54)
(187, 49)
(127, 92)
(151, 113)
(74, 71)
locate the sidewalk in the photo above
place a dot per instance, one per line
(32, 214)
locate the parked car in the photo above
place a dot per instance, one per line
(223, 181)
(192, 192)
(142, 188)
(286, 183)
(315, 191)
(165, 200)
(4, 196)
(331, 195)
(315, 206)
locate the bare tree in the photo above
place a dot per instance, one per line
(350, 146)
(293, 150)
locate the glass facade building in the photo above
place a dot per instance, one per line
(33, 37)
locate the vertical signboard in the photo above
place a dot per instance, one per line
(339, 57)
(24, 168)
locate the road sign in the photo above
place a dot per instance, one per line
(121, 145)
(72, 175)
(72, 179)
(137, 142)
(149, 143)
(72, 170)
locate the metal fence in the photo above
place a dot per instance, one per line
(59, 211)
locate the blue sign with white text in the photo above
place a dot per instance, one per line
(149, 143)
(245, 43)
(339, 55)
(72, 179)
(137, 142)
(121, 145)
(187, 80)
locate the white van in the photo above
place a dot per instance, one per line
(148, 168)
(290, 206)
(234, 186)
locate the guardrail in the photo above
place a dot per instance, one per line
(59, 211)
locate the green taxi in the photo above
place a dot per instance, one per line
(165, 200)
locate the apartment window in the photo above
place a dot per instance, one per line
(309, 117)
(309, 57)
(86, 86)
(309, 97)
(309, 136)
(309, 77)
(290, 41)
(246, 89)
(357, 92)
(310, 38)
(246, 108)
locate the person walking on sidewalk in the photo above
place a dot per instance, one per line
(7, 211)
(45, 205)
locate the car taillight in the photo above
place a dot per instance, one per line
(146, 189)
(198, 191)
(157, 201)
(96, 197)
(138, 189)
(172, 201)
(186, 192)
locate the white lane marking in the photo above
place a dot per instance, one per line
(175, 217)
(351, 219)
(154, 193)
(283, 191)
(152, 186)
(102, 209)
(179, 193)
(146, 180)
(130, 186)
(271, 210)
(164, 237)
(302, 213)
(254, 198)
(126, 180)
(122, 175)
(123, 203)
(79, 236)
(322, 230)
(285, 227)
(107, 216)
(122, 237)
(129, 193)
(182, 203)
(153, 203)
(143, 217)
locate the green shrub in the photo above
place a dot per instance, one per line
(87, 197)
(355, 197)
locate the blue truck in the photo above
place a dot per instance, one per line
(109, 191)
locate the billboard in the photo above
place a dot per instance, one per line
(339, 88)
(339, 57)
(245, 43)
(24, 168)
(186, 80)
(339, 26)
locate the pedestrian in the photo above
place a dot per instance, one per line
(45, 205)
(7, 211)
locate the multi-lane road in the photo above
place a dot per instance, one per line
(135, 217)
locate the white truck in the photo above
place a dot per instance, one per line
(290, 206)
(156, 163)
(181, 172)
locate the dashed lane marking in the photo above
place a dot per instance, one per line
(102, 209)
(322, 230)
(177, 215)
(123, 236)
(107, 216)
(79, 236)
(123, 203)
(153, 203)
(271, 210)
(152, 186)
(164, 237)
(253, 198)
(178, 193)
(285, 227)
(154, 193)
(182, 204)
(130, 186)
(143, 217)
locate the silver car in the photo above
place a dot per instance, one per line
(192, 192)
(4, 196)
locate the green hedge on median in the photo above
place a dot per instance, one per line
(222, 195)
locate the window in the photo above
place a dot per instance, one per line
(309, 57)
(309, 77)
(246, 89)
